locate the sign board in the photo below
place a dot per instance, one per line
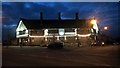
(61, 31)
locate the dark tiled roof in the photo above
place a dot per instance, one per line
(32, 24)
(36, 24)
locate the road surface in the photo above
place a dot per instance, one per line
(68, 56)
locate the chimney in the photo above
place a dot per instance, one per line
(41, 16)
(77, 16)
(59, 15)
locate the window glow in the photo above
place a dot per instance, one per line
(46, 32)
(57, 37)
(65, 38)
(19, 40)
(26, 31)
(75, 31)
(76, 38)
(17, 33)
(45, 38)
(95, 26)
(92, 30)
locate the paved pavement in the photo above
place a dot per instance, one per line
(68, 56)
(0, 54)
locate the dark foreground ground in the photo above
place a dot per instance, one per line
(68, 56)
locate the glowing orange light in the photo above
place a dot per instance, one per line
(93, 22)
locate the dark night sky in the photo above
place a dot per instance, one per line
(105, 12)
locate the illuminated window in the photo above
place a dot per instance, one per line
(52, 31)
(46, 32)
(95, 26)
(65, 38)
(69, 30)
(57, 37)
(22, 32)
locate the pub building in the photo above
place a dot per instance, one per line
(70, 31)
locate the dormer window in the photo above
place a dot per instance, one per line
(22, 32)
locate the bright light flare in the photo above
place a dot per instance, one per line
(93, 22)
(105, 28)
(95, 26)
(46, 32)
(103, 43)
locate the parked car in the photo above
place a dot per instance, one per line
(44, 45)
(93, 44)
(98, 43)
(116, 43)
(56, 44)
(102, 43)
